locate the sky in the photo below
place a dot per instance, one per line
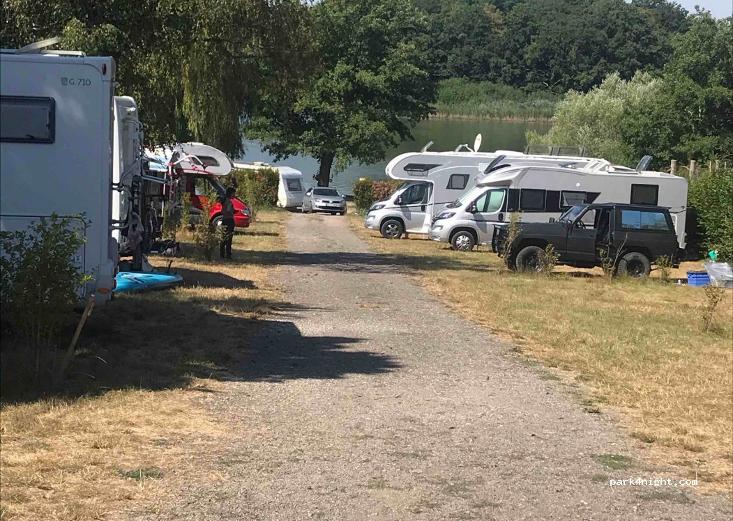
(718, 8)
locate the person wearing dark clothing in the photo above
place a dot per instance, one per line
(227, 224)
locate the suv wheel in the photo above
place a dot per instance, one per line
(528, 258)
(392, 229)
(462, 241)
(634, 264)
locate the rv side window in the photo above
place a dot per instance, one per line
(457, 182)
(490, 202)
(294, 185)
(27, 120)
(532, 200)
(645, 194)
(572, 198)
(642, 220)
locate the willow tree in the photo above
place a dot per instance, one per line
(195, 67)
(370, 85)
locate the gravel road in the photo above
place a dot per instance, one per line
(368, 399)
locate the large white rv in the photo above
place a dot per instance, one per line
(56, 142)
(432, 180)
(540, 192)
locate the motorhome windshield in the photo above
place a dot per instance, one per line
(572, 213)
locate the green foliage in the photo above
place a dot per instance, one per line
(195, 68)
(462, 97)
(596, 120)
(257, 188)
(548, 259)
(39, 278)
(206, 235)
(185, 219)
(713, 296)
(513, 230)
(711, 194)
(664, 265)
(367, 191)
(371, 84)
(687, 113)
(363, 194)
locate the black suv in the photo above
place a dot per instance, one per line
(628, 237)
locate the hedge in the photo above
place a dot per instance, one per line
(367, 191)
(711, 195)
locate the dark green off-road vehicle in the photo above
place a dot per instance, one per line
(624, 237)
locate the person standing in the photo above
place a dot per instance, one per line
(227, 224)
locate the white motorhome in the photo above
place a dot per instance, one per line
(540, 192)
(56, 142)
(290, 188)
(127, 170)
(432, 180)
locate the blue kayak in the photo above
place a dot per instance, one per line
(130, 281)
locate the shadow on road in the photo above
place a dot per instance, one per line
(360, 262)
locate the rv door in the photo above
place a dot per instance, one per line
(413, 204)
(488, 210)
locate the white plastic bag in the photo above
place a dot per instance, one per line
(720, 274)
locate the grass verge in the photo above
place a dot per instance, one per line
(130, 415)
(461, 98)
(635, 346)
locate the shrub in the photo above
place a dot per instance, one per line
(257, 188)
(367, 191)
(363, 194)
(711, 194)
(39, 284)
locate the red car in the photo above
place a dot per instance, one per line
(198, 185)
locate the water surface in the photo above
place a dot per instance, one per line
(445, 133)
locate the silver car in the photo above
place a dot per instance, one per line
(321, 199)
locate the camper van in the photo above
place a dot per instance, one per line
(540, 192)
(290, 189)
(432, 180)
(56, 141)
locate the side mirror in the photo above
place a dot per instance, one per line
(552, 220)
(399, 199)
(472, 208)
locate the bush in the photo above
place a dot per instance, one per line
(367, 191)
(711, 194)
(257, 188)
(39, 284)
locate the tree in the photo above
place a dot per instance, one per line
(195, 67)
(371, 84)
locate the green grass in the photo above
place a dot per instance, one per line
(458, 97)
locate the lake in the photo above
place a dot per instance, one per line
(445, 133)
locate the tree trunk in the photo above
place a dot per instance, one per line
(324, 170)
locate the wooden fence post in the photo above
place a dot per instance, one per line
(693, 165)
(673, 167)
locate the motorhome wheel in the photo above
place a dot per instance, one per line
(392, 229)
(463, 241)
(528, 258)
(634, 264)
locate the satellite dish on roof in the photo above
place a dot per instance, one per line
(477, 143)
(427, 146)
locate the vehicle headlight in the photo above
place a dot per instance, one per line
(375, 207)
(445, 215)
(438, 227)
(319, 201)
(245, 211)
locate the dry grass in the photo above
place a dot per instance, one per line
(636, 347)
(130, 416)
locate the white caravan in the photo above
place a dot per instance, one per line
(56, 142)
(290, 189)
(540, 192)
(432, 180)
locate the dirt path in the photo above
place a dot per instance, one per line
(367, 399)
